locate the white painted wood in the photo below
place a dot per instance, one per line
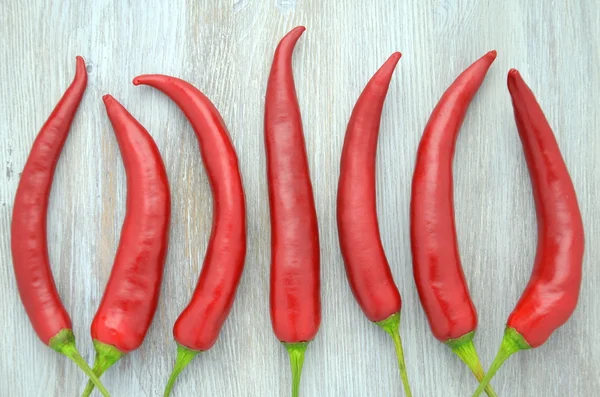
(225, 48)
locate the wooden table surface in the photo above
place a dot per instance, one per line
(225, 48)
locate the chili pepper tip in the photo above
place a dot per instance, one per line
(80, 68)
(148, 79)
(292, 36)
(492, 53)
(384, 74)
(514, 79)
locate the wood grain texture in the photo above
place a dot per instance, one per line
(225, 49)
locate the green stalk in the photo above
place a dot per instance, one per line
(464, 348)
(391, 325)
(296, 352)
(512, 342)
(184, 357)
(64, 343)
(106, 357)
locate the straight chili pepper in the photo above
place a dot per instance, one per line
(553, 289)
(132, 292)
(437, 269)
(367, 267)
(37, 288)
(198, 326)
(295, 280)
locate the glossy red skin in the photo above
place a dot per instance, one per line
(28, 229)
(198, 326)
(133, 289)
(553, 290)
(295, 280)
(437, 268)
(367, 267)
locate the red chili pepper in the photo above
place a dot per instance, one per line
(437, 269)
(367, 267)
(34, 277)
(295, 280)
(132, 292)
(553, 290)
(198, 326)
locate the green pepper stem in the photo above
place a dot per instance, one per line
(106, 357)
(512, 342)
(391, 325)
(184, 357)
(296, 352)
(464, 348)
(64, 343)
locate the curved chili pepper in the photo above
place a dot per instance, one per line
(367, 267)
(132, 292)
(198, 326)
(553, 290)
(437, 269)
(295, 280)
(29, 244)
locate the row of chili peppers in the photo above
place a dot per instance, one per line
(131, 295)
